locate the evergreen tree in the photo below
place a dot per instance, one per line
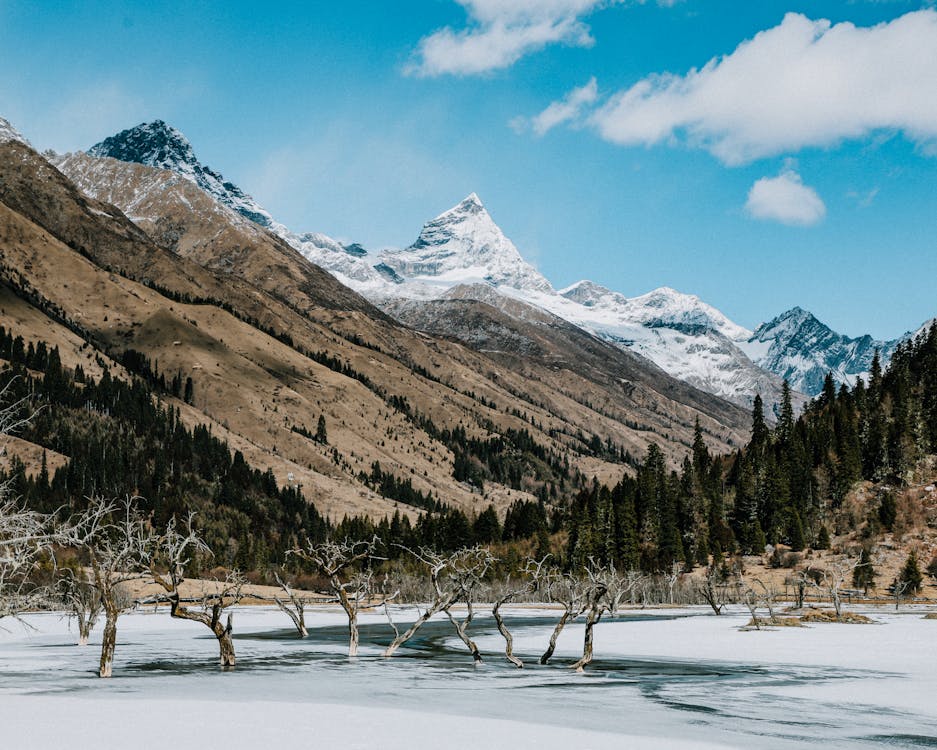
(785, 428)
(911, 577)
(487, 528)
(760, 431)
(321, 434)
(796, 532)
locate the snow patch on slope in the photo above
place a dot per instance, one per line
(9, 133)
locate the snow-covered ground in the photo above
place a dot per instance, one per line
(664, 679)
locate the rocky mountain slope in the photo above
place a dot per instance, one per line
(272, 343)
(797, 346)
(159, 145)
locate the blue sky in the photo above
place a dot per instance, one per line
(794, 173)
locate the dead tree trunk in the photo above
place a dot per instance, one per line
(351, 611)
(211, 618)
(461, 628)
(109, 641)
(505, 633)
(433, 609)
(86, 622)
(85, 603)
(296, 613)
(554, 636)
(595, 614)
(176, 551)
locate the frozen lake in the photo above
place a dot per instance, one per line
(665, 679)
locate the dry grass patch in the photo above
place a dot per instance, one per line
(828, 615)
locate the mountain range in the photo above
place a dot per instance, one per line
(463, 248)
(117, 264)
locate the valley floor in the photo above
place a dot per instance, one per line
(662, 679)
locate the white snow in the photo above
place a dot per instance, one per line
(693, 682)
(464, 246)
(9, 133)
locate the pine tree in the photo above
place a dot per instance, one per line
(785, 429)
(823, 539)
(321, 434)
(911, 577)
(487, 528)
(759, 427)
(701, 458)
(796, 532)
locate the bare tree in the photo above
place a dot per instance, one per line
(176, 550)
(334, 560)
(507, 592)
(898, 591)
(119, 544)
(83, 600)
(753, 595)
(673, 576)
(27, 538)
(714, 589)
(567, 590)
(832, 579)
(295, 608)
(452, 576)
(799, 581)
(467, 569)
(605, 589)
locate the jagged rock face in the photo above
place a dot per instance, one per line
(159, 145)
(800, 348)
(463, 246)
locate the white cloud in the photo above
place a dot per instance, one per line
(802, 83)
(500, 32)
(566, 110)
(786, 199)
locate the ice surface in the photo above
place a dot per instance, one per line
(665, 679)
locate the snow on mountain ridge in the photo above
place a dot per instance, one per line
(800, 348)
(157, 144)
(9, 133)
(463, 245)
(463, 248)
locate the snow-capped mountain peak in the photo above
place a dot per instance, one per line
(590, 294)
(800, 348)
(463, 245)
(158, 144)
(666, 306)
(9, 133)
(155, 144)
